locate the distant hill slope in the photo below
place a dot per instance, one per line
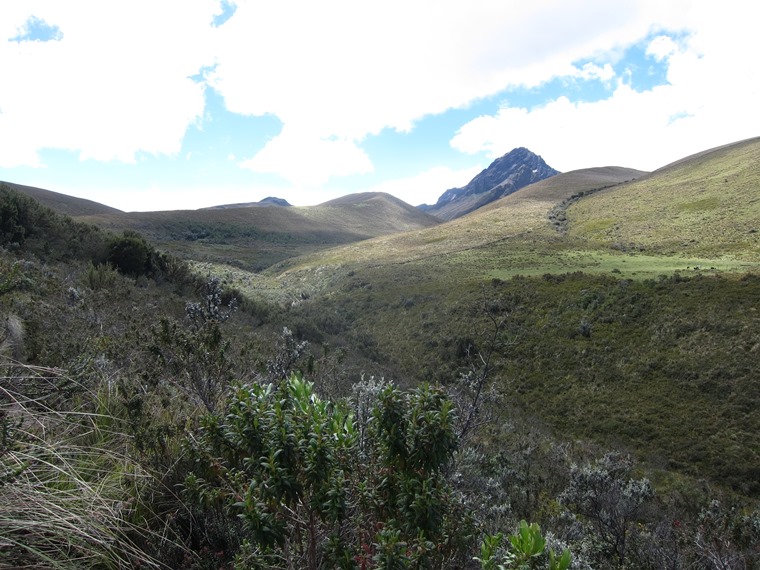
(523, 212)
(350, 218)
(706, 204)
(266, 202)
(702, 211)
(562, 186)
(62, 203)
(505, 175)
(376, 213)
(256, 237)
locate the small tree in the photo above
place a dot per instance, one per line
(412, 440)
(195, 357)
(290, 465)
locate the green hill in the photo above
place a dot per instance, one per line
(61, 203)
(707, 205)
(254, 238)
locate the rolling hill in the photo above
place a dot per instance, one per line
(256, 237)
(704, 205)
(702, 210)
(63, 204)
(266, 202)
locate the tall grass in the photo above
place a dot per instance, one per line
(70, 494)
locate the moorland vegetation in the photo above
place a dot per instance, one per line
(564, 378)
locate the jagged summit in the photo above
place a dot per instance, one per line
(516, 169)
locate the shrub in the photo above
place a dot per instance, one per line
(315, 490)
(27, 225)
(100, 276)
(130, 254)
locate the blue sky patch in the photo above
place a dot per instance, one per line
(38, 30)
(228, 10)
(643, 71)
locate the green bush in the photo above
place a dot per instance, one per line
(27, 225)
(315, 489)
(130, 254)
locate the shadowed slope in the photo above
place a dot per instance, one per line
(256, 237)
(62, 203)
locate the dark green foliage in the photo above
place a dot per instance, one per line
(130, 254)
(662, 367)
(526, 550)
(28, 226)
(411, 442)
(416, 436)
(279, 458)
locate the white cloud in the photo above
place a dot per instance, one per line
(309, 160)
(115, 83)
(426, 187)
(709, 100)
(662, 47)
(349, 69)
(591, 71)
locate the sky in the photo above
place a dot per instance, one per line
(182, 104)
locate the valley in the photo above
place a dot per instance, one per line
(596, 313)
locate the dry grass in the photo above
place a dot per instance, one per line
(69, 491)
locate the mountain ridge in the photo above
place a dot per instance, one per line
(507, 174)
(268, 202)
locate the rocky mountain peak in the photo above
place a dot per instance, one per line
(505, 175)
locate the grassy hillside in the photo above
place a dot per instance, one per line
(571, 338)
(255, 238)
(516, 215)
(707, 205)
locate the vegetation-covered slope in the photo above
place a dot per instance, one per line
(707, 205)
(61, 203)
(608, 392)
(610, 345)
(255, 238)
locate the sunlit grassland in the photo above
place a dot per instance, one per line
(707, 206)
(699, 215)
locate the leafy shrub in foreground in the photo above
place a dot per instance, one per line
(313, 494)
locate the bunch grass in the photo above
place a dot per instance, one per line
(71, 495)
